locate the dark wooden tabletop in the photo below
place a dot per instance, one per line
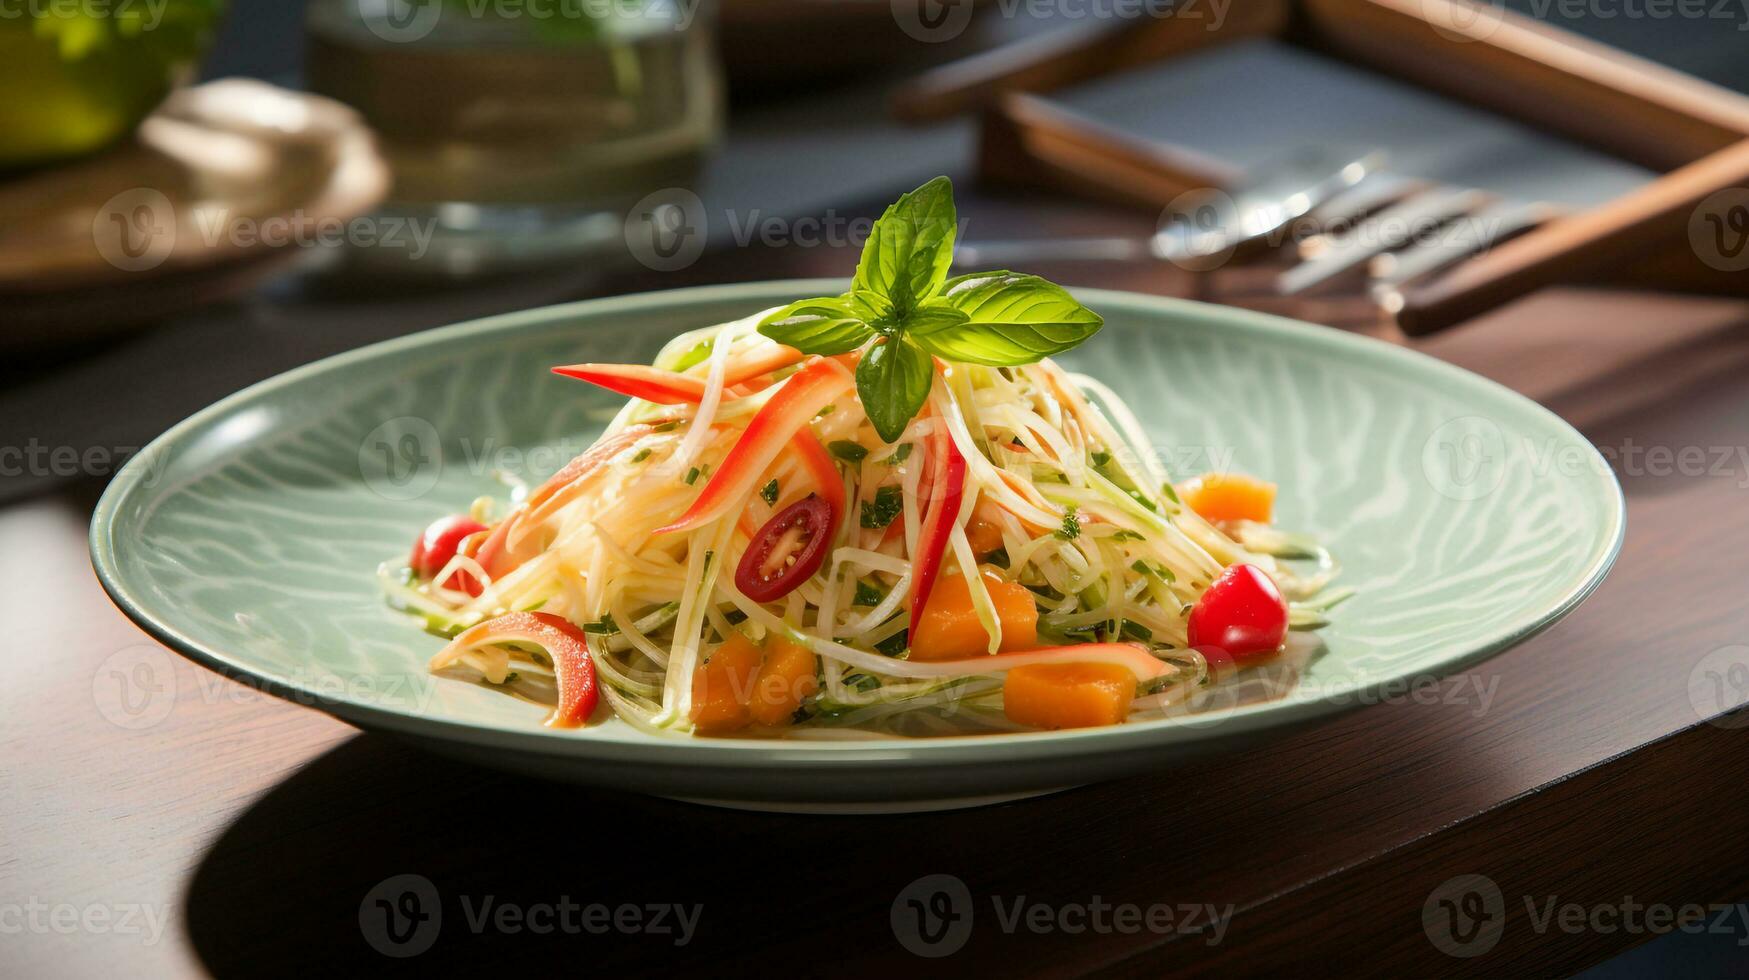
(232, 833)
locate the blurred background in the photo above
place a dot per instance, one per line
(198, 194)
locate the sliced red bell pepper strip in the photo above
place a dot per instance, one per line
(654, 384)
(822, 473)
(822, 470)
(771, 428)
(563, 642)
(501, 552)
(639, 381)
(946, 491)
(761, 360)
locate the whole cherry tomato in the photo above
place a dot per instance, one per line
(1241, 615)
(437, 546)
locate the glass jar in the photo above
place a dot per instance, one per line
(520, 131)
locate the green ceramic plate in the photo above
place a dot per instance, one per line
(247, 536)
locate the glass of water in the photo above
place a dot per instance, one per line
(520, 131)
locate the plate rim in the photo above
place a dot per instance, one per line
(765, 754)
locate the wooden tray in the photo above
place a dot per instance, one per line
(1695, 133)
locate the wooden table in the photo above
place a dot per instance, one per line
(1573, 766)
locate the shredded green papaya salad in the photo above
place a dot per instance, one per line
(887, 511)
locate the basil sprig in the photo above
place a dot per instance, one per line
(902, 307)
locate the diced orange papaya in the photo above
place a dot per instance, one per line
(949, 628)
(722, 684)
(982, 530)
(785, 679)
(1068, 695)
(1229, 497)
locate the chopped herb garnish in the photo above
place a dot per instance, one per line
(1126, 535)
(1136, 631)
(999, 558)
(1169, 493)
(1100, 458)
(887, 503)
(862, 682)
(692, 475)
(1142, 498)
(895, 645)
(898, 455)
(605, 626)
(825, 411)
(850, 452)
(511, 678)
(769, 492)
(867, 595)
(641, 455)
(1161, 572)
(665, 426)
(1071, 528)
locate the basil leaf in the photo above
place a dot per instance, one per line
(910, 248)
(874, 309)
(893, 381)
(1011, 319)
(827, 325)
(934, 317)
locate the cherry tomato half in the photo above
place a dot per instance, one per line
(437, 545)
(786, 551)
(1241, 615)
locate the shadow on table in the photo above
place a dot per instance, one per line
(315, 878)
(377, 858)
